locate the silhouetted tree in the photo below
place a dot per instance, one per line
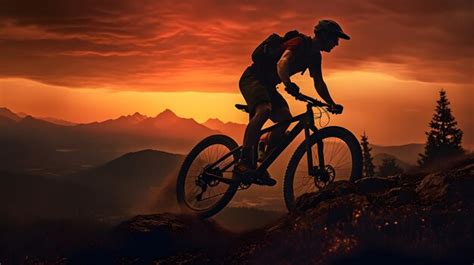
(389, 167)
(444, 138)
(367, 164)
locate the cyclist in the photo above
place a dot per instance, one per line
(258, 87)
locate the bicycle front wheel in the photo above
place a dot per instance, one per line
(342, 159)
(204, 187)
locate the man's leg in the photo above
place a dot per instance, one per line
(276, 135)
(251, 136)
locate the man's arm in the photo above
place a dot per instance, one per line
(319, 84)
(283, 67)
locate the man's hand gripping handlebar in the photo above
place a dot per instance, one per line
(294, 90)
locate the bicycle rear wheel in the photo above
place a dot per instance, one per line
(342, 159)
(198, 190)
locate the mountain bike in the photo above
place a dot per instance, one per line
(206, 182)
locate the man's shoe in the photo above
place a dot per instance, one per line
(244, 172)
(266, 180)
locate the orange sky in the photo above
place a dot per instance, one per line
(93, 60)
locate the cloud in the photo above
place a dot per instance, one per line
(205, 45)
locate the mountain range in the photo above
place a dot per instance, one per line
(53, 146)
(234, 130)
(34, 144)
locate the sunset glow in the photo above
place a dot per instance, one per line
(93, 61)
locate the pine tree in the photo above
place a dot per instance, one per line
(444, 138)
(389, 167)
(367, 164)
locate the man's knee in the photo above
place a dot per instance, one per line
(263, 110)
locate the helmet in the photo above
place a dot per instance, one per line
(331, 27)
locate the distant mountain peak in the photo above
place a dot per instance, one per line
(5, 112)
(167, 113)
(135, 117)
(136, 114)
(214, 120)
(235, 130)
(217, 121)
(32, 121)
(214, 123)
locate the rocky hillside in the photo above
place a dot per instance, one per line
(410, 219)
(406, 219)
(422, 218)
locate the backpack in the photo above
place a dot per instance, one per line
(271, 49)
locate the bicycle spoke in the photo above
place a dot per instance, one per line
(191, 184)
(212, 152)
(305, 172)
(302, 179)
(347, 163)
(211, 197)
(341, 147)
(206, 157)
(301, 186)
(308, 188)
(332, 152)
(341, 159)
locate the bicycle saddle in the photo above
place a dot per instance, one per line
(242, 107)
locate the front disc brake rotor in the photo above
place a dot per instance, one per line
(321, 180)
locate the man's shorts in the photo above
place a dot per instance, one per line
(256, 92)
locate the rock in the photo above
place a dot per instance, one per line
(398, 196)
(376, 184)
(332, 190)
(339, 209)
(396, 177)
(432, 188)
(161, 235)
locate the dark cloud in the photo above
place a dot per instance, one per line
(161, 45)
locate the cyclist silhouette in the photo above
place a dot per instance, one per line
(258, 86)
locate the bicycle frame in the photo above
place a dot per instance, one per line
(305, 122)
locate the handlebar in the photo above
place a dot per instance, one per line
(311, 101)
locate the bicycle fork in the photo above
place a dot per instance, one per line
(313, 171)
